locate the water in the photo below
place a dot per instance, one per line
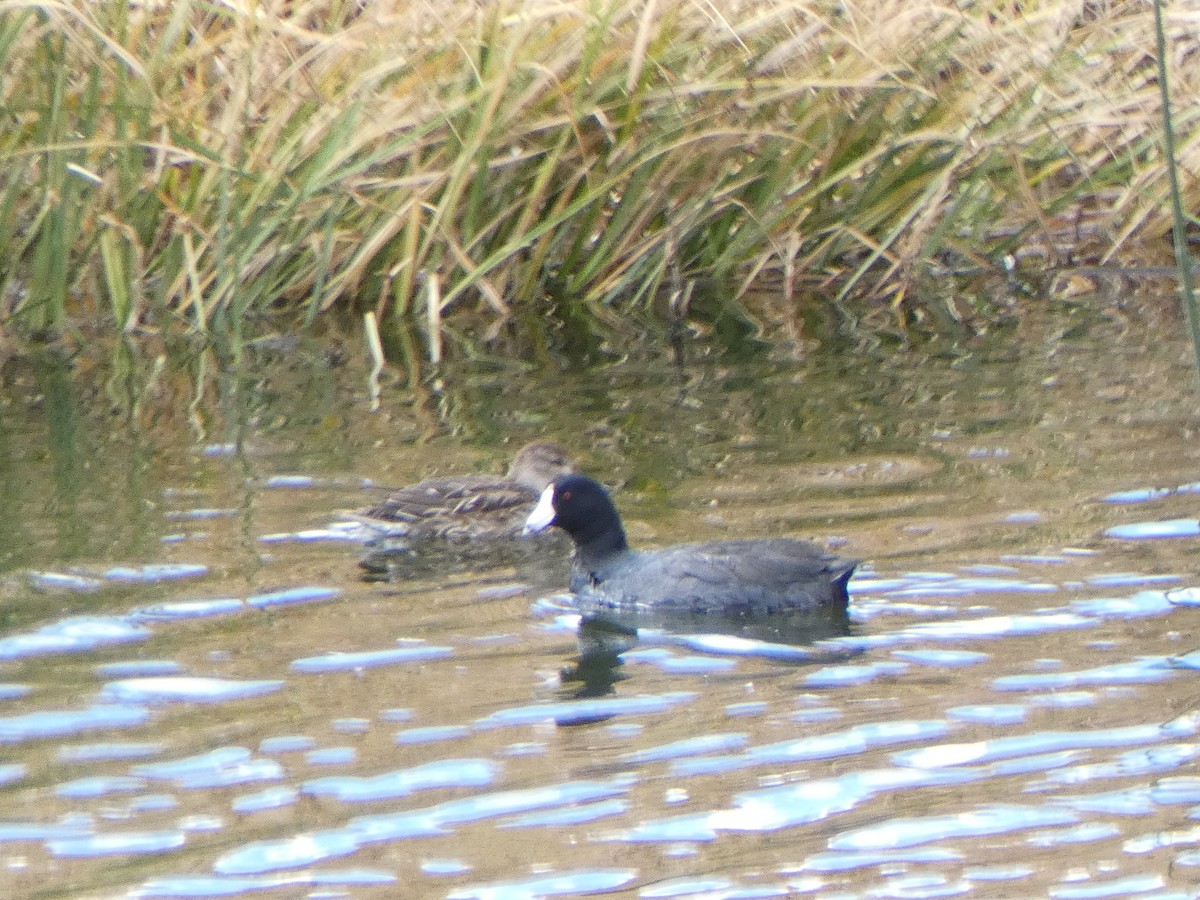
(200, 697)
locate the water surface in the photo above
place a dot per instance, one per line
(200, 697)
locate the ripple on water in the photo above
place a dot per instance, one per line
(290, 481)
(1142, 495)
(921, 887)
(334, 534)
(869, 859)
(74, 635)
(214, 886)
(189, 609)
(117, 843)
(1169, 528)
(585, 710)
(1184, 596)
(1147, 670)
(138, 667)
(200, 513)
(989, 714)
(100, 785)
(570, 815)
(313, 847)
(271, 798)
(64, 581)
(60, 723)
(1144, 761)
(444, 773)
(844, 675)
(73, 825)
(309, 594)
(1143, 603)
(582, 882)
(1000, 626)
(431, 734)
(986, 820)
(1175, 790)
(685, 887)
(189, 689)
(709, 743)
(951, 659)
(682, 665)
(223, 767)
(444, 867)
(998, 873)
(1025, 745)
(10, 772)
(289, 853)
(1130, 802)
(1119, 887)
(735, 645)
(1129, 579)
(154, 573)
(152, 803)
(331, 756)
(348, 662)
(1063, 699)
(286, 743)
(772, 809)
(849, 742)
(102, 752)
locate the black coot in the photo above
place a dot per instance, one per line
(747, 577)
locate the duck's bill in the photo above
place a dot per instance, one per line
(542, 516)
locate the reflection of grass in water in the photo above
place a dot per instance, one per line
(1183, 258)
(203, 162)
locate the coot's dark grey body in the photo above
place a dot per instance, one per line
(752, 577)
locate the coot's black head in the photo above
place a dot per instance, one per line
(582, 508)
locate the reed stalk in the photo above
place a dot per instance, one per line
(1183, 257)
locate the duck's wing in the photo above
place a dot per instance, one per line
(449, 497)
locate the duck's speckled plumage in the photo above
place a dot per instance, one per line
(470, 507)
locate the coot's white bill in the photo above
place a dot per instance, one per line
(543, 513)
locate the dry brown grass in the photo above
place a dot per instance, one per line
(204, 161)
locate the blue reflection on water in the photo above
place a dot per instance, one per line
(100, 785)
(986, 820)
(584, 710)
(1169, 528)
(223, 767)
(73, 635)
(1148, 670)
(443, 773)
(210, 886)
(189, 689)
(271, 798)
(59, 723)
(346, 662)
(117, 843)
(288, 596)
(582, 882)
(313, 847)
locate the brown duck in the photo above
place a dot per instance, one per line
(470, 507)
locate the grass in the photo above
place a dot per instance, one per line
(198, 165)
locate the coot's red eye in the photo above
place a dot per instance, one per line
(566, 495)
